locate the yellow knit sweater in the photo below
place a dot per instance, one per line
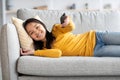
(68, 44)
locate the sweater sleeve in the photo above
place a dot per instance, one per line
(53, 53)
(58, 29)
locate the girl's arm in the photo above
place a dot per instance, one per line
(65, 27)
(54, 53)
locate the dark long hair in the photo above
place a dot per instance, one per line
(49, 36)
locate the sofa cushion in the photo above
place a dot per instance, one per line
(84, 20)
(25, 40)
(68, 66)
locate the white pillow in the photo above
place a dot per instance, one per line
(26, 41)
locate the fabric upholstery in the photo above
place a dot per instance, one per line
(9, 52)
(84, 20)
(68, 78)
(25, 40)
(68, 66)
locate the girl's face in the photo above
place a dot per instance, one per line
(36, 31)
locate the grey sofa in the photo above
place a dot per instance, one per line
(16, 67)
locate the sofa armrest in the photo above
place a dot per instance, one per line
(10, 52)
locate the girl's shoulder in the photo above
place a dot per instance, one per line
(55, 26)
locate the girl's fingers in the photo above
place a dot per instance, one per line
(22, 52)
(26, 51)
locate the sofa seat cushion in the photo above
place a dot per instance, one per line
(68, 66)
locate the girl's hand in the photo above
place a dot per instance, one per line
(66, 21)
(26, 52)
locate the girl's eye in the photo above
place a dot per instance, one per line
(37, 27)
(31, 33)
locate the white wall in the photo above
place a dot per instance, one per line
(63, 4)
(28, 3)
(80, 4)
(2, 12)
(114, 3)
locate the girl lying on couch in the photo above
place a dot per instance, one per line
(61, 42)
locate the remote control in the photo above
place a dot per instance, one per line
(62, 18)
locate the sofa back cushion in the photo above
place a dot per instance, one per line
(84, 20)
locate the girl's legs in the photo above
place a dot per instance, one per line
(107, 44)
(110, 38)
